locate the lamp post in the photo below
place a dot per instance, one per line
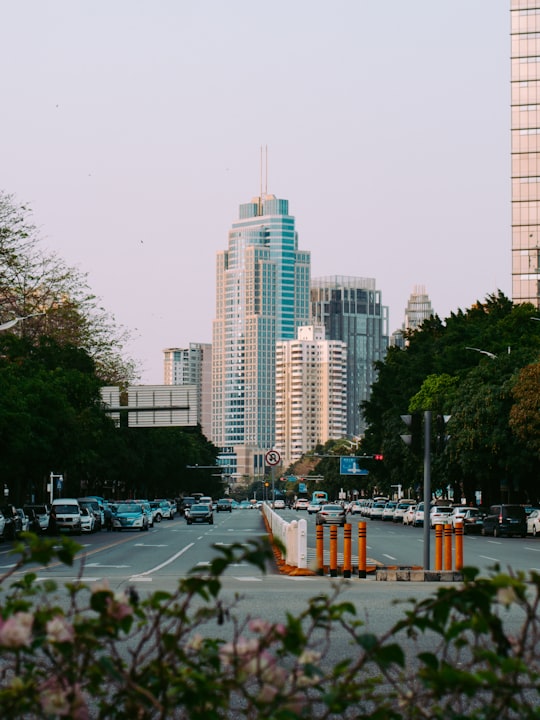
(10, 323)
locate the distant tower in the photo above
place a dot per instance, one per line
(193, 366)
(262, 296)
(525, 131)
(418, 308)
(351, 310)
(311, 392)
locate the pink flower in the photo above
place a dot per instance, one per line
(58, 699)
(59, 630)
(118, 607)
(16, 631)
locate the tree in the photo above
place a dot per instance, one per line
(34, 281)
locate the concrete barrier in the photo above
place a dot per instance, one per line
(293, 537)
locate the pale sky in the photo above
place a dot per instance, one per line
(133, 130)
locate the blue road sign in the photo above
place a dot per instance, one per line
(350, 466)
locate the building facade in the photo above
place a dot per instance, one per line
(525, 131)
(262, 297)
(418, 308)
(311, 392)
(193, 366)
(351, 310)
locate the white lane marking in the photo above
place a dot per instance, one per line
(248, 579)
(486, 557)
(99, 565)
(164, 564)
(390, 557)
(534, 549)
(146, 545)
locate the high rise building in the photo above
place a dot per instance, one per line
(351, 310)
(418, 308)
(262, 296)
(525, 130)
(193, 366)
(311, 392)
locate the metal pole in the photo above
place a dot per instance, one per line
(427, 486)
(273, 485)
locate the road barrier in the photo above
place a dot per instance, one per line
(292, 559)
(443, 546)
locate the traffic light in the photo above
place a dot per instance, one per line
(378, 457)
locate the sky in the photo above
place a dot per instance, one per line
(133, 131)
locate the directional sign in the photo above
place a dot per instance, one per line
(272, 457)
(350, 466)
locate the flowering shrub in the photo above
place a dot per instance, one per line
(81, 652)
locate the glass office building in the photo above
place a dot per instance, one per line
(525, 129)
(262, 296)
(351, 310)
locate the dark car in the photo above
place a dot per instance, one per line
(39, 513)
(13, 522)
(224, 505)
(502, 520)
(200, 514)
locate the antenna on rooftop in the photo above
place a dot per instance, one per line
(266, 169)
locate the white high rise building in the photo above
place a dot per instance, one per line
(311, 392)
(262, 297)
(193, 366)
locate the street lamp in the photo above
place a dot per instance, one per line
(10, 323)
(484, 352)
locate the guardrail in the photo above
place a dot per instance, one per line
(292, 535)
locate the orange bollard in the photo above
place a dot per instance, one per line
(438, 546)
(333, 550)
(459, 546)
(347, 550)
(447, 547)
(319, 545)
(362, 547)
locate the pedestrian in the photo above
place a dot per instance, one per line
(52, 528)
(107, 512)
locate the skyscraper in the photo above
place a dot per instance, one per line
(262, 296)
(525, 129)
(351, 310)
(311, 392)
(193, 366)
(418, 308)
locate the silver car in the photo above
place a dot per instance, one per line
(330, 514)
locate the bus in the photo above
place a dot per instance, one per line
(319, 497)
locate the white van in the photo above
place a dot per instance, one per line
(68, 515)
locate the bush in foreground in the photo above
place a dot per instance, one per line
(86, 652)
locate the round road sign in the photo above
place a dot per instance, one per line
(272, 457)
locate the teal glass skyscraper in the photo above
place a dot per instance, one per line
(262, 296)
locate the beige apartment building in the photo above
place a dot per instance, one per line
(311, 392)
(525, 130)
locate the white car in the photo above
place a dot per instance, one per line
(408, 515)
(533, 523)
(439, 515)
(389, 509)
(301, 504)
(377, 510)
(88, 520)
(401, 509)
(279, 504)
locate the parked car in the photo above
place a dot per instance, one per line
(418, 519)
(355, 507)
(377, 509)
(149, 512)
(408, 516)
(39, 513)
(533, 523)
(162, 510)
(25, 520)
(88, 520)
(65, 516)
(504, 520)
(330, 514)
(2, 525)
(439, 515)
(224, 505)
(200, 513)
(129, 516)
(388, 510)
(93, 506)
(401, 509)
(473, 520)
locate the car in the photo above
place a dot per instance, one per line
(162, 510)
(439, 515)
(377, 509)
(355, 507)
(245, 505)
(2, 525)
(408, 515)
(330, 514)
(401, 509)
(279, 504)
(533, 523)
(473, 520)
(503, 519)
(39, 513)
(224, 505)
(301, 504)
(25, 520)
(129, 516)
(96, 509)
(65, 516)
(313, 507)
(389, 510)
(200, 513)
(88, 520)
(418, 519)
(149, 512)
